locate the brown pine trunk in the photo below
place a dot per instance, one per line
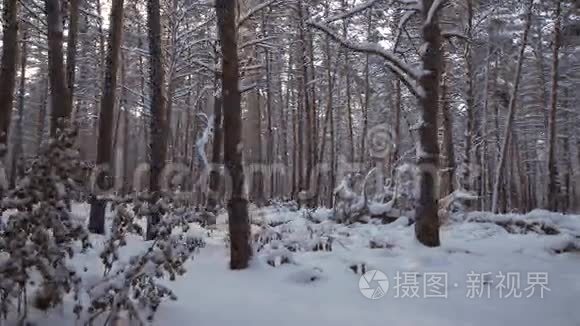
(484, 146)
(270, 128)
(239, 224)
(329, 121)
(307, 104)
(106, 119)
(71, 57)
(427, 220)
(126, 131)
(469, 129)
(269, 108)
(59, 95)
(448, 173)
(553, 186)
(8, 70)
(21, 96)
(283, 132)
(158, 122)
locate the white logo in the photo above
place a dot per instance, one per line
(373, 284)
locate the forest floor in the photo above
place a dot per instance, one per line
(489, 270)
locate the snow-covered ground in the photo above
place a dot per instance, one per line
(427, 286)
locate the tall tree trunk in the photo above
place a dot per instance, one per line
(59, 95)
(159, 127)
(126, 131)
(397, 122)
(216, 156)
(239, 224)
(448, 173)
(21, 97)
(427, 220)
(101, 61)
(348, 90)
(484, 146)
(283, 132)
(307, 103)
(106, 119)
(329, 120)
(71, 58)
(269, 108)
(511, 113)
(270, 129)
(470, 123)
(41, 122)
(365, 107)
(8, 70)
(553, 184)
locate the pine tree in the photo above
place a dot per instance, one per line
(239, 224)
(105, 142)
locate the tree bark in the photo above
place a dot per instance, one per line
(216, 156)
(59, 94)
(106, 119)
(553, 184)
(239, 224)
(126, 189)
(365, 107)
(8, 70)
(348, 90)
(158, 122)
(308, 118)
(427, 219)
(21, 97)
(470, 123)
(71, 58)
(448, 173)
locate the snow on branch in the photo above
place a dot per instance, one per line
(404, 20)
(204, 139)
(410, 3)
(243, 18)
(433, 10)
(259, 41)
(456, 34)
(352, 12)
(246, 87)
(407, 74)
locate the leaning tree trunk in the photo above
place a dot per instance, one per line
(427, 220)
(105, 142)
(59, 95)
(159, 127)
(511, 113)
(239, 224)
(8, 70)
(553, 187)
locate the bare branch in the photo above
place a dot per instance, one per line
(402, 70)
(404, 20)
(352, 12)
(254, 10)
